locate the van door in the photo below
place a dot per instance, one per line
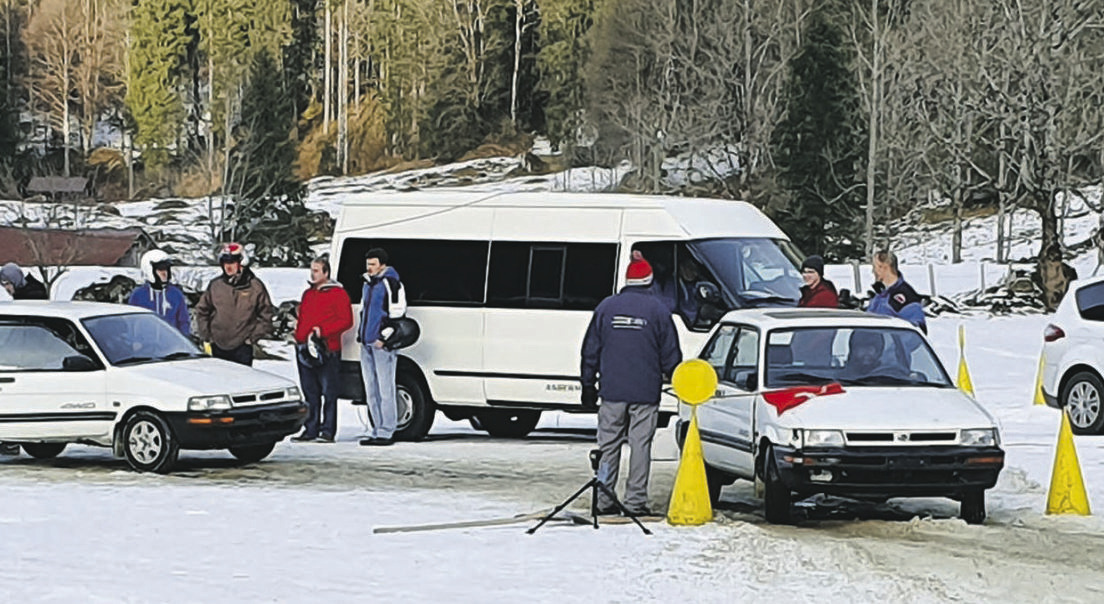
(726, 422)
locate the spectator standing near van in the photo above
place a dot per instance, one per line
(21, 286)
(382, 298)
(159, 294)
(894, 296)
(324, 314)
(817, 292)
(630, 347)
(235, 310)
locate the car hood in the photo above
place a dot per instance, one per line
(199, 377)
(866, 408)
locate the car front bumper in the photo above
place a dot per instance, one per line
(240, 426)
(884, 472)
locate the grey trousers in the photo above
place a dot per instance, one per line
(377, 367)
(636, 424)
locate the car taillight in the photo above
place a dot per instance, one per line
(1053, 333)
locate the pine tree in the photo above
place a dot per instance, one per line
(819, 144)
(560, 61)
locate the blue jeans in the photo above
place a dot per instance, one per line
(377, 367)
(321, 384)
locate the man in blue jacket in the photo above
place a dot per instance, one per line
(159, 295)
(629, 350)
(382, 299)
(894, 296)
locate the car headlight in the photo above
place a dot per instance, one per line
(209, 403)
(980, 437)
(293, 393)
(822, 438)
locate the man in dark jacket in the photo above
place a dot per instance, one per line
(324, 314)
(817, 292)
(895, 297)
(381, 299)
(630, 348)
(235, 311)
(20, 286)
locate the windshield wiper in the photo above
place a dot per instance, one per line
(872, 380)
(180, 355)
(801, 376)
(132, 360)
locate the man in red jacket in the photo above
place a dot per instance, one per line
(324, 314)
(817, 292)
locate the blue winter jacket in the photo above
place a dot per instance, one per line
(377, 297)
(899, 300)
(168, 302)
(630, 346)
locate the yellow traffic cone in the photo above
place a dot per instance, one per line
(690, 498)
(965, 384)
(1067, 488)
(1039, 399)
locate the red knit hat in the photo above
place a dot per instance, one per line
(639, 272)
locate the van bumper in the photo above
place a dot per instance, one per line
(237, 427)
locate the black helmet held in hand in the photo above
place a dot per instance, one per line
(400, 333)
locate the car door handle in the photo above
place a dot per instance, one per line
(7, 380)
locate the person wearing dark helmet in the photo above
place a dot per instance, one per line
(630, 348)
(324, 314)
(159, 294)
(817, 292)
(235, 311)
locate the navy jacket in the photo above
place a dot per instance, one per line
(381, 299)
(900, 300)
(630, 346)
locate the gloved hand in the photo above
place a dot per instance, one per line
(589, 398)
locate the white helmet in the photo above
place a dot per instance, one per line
(152, 260)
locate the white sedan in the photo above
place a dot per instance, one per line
(121, 377)
(842, 403)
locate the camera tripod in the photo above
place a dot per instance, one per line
(594, 485)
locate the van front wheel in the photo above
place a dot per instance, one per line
(415, 408)
(507, 423)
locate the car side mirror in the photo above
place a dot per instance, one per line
(78, 362)
(751, 382)
(707, 293)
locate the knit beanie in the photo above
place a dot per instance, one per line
(814, 262)
(639, 271)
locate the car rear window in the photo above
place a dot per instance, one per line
(1090, 302)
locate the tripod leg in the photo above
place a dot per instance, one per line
(562, 506)
(621, 506)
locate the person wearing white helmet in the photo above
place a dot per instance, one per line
(236, 310)
(159, 294)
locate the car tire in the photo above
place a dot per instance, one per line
(148, 443)
(715, 480)
(44, 450)
(415, 408)
(1083, 398)
(972, 507)
(508, 423)
(777, 499)
(252, 453)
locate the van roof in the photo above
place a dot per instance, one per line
(692, 217)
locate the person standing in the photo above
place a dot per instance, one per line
(324, 314)
(630, 348)
(382, 299)
(20, 286)
(159, 294)
(817, 292)
(894, 296)
(235, 311)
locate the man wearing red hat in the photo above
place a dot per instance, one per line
(630, 348)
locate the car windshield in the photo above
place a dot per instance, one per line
(756, 271)
(139, 338)
(852, 356)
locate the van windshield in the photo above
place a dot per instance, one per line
(754, 271)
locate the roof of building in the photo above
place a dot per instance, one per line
(61, 247)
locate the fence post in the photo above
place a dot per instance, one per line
(931, 280)
(856, 277)
(981, 274)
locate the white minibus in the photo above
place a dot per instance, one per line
(503, 285)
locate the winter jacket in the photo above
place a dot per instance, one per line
(168, 302)
(382, 298)
(234, 312)
(327, 307)
(630, 345)
(26, 286)
(899, 300)
(823, 295)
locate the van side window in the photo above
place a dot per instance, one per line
(434, 272)
(568, 276)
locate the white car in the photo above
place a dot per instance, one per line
(1073, 352)
(842, 403)
(121, 377)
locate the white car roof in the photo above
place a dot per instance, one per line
(771, 318)
(67, 310)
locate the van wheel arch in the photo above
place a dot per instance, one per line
(409, 372)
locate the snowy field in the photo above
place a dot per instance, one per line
(298, 527)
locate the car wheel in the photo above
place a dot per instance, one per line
(415, 408)
(1081, 398)
(777, 499)
(44, 450)
(715, 480)
(149, 444)
(252, 453)
(972, 508)
(508, 423)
